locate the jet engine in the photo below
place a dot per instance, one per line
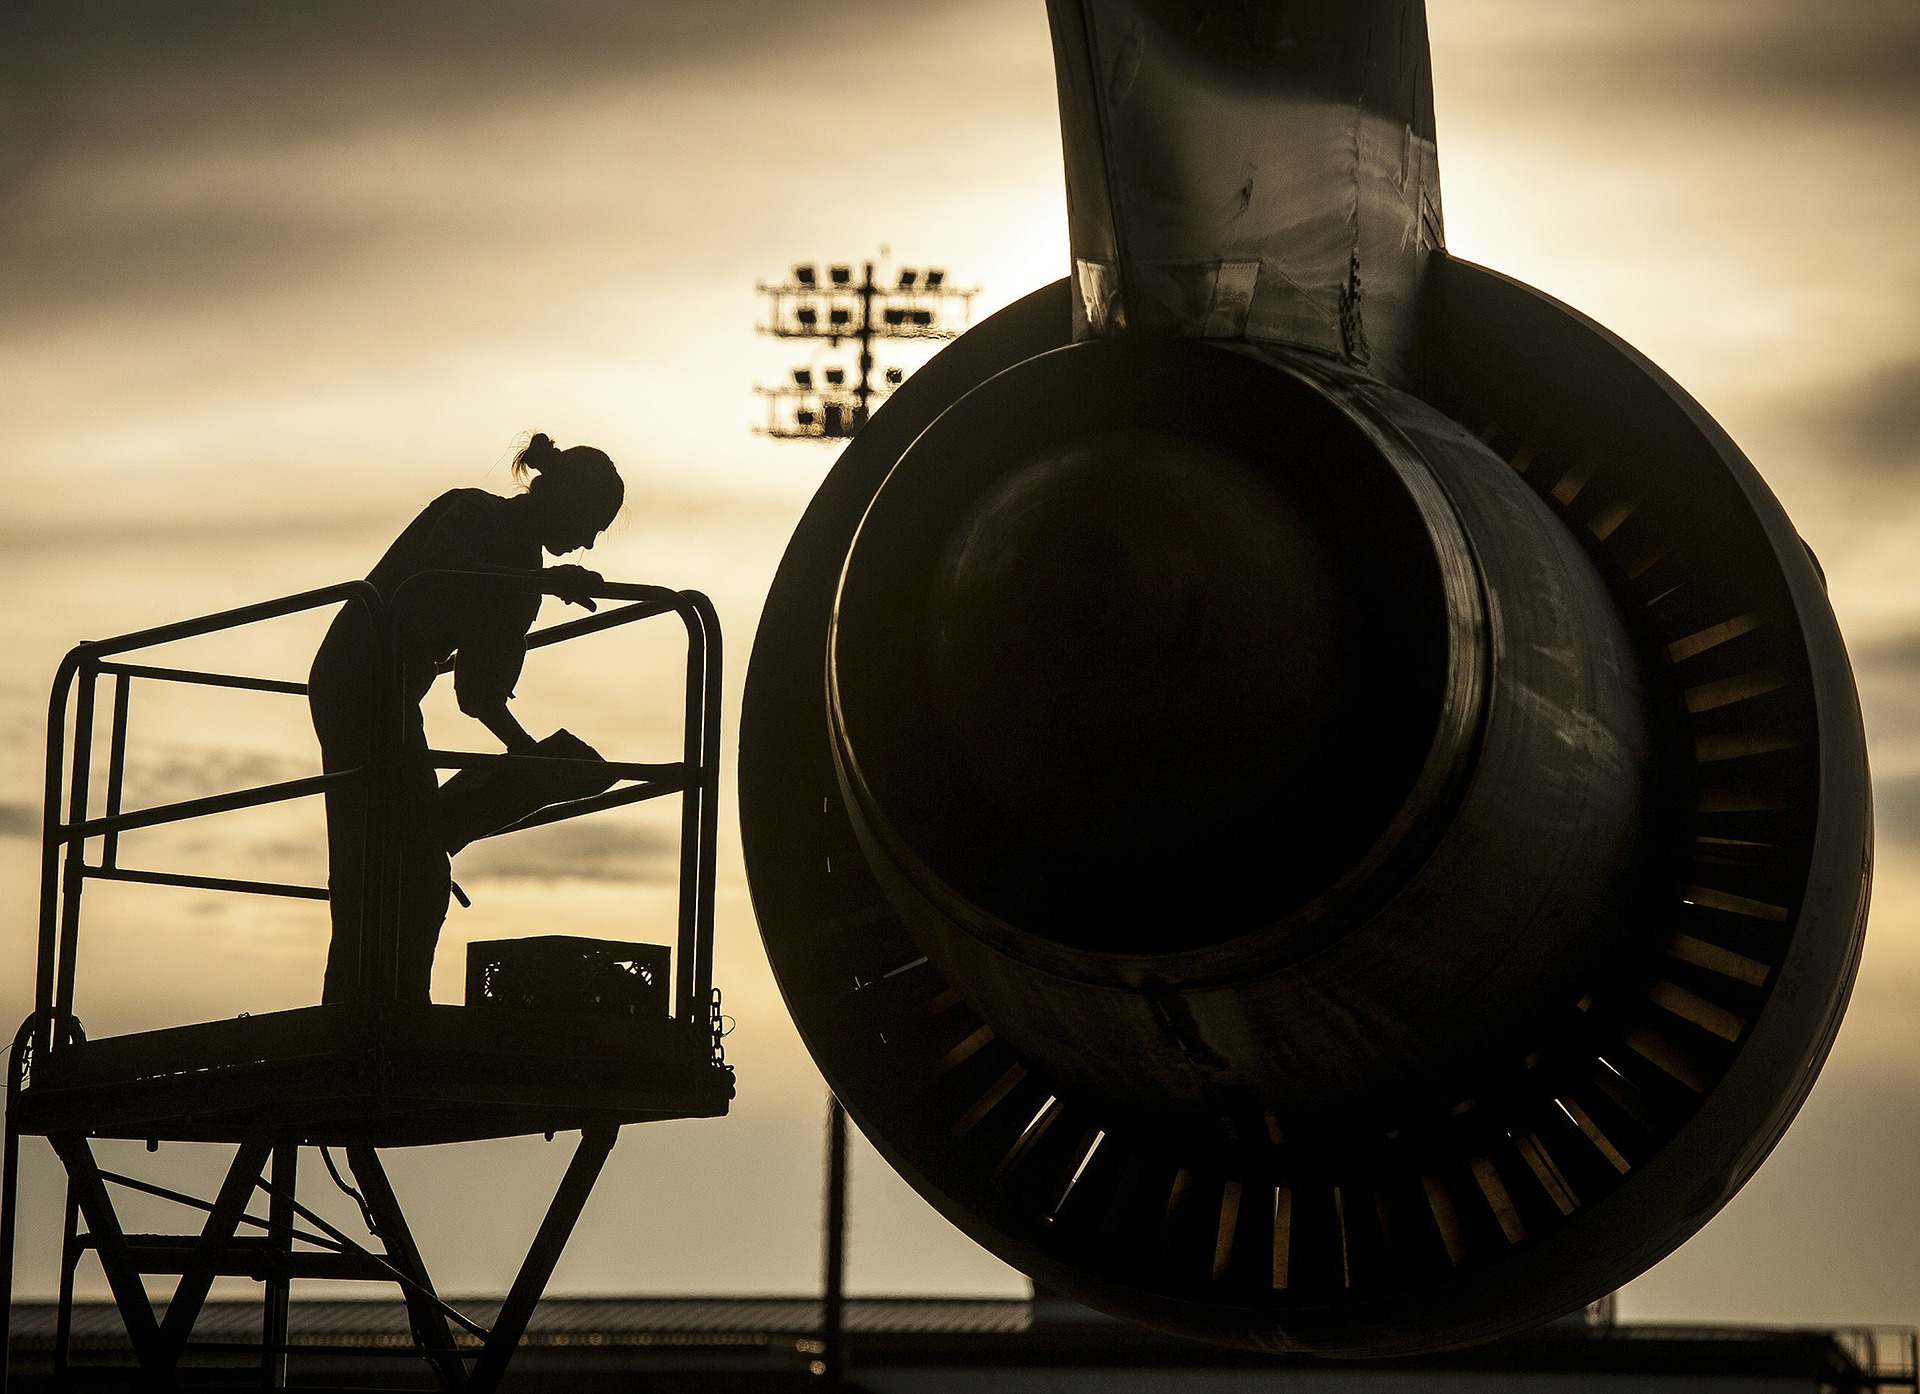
(1299, 790)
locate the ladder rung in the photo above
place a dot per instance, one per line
(247, 1257)
(358, 1352)
(190, 1379)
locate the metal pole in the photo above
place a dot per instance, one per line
(865, 389)
(70, 1255)
(73, 876)
(693, 800)
(279, 1288)
(116, 766)
(16, 1066)
(9, 1201)
(833, 1307)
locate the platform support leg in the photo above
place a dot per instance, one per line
(70, 1252)
(430, 1329)
(110, 1244)
(568, 1201)
(17, 1058)
(9, 1205)
(223, 1220)
(278, 1296)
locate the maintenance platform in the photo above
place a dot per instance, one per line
(558, 1034)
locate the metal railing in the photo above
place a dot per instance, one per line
(72, 829)
(1889, 1356)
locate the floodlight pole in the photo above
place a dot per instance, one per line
(833, 1354)
(924, 309)
(864, 391)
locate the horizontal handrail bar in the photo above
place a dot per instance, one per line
(614, 798)
(556, 764)
(230, 619)
(189, 675)
(606, 619)
(204, 883)
(200, 808)
(634, 590)
(658, 601)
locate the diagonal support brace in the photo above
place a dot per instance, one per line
(223, 1221)
(424, 1311)
(568, 1201)
(110, 1246)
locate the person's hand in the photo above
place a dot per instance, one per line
(571, 584)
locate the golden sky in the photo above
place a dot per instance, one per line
(272, 277)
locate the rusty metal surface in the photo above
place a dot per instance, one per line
(1251, 171)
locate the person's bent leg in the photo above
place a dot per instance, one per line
(339, 688)
(346, 891)
(426, 879)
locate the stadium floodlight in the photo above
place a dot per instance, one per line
(852, 302)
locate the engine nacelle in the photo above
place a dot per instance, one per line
(1304, 852)
(1237, 731)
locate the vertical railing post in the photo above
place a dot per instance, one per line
(73, 874)
(693, 798)
(709, 805)
(51, 846)
(116, 767)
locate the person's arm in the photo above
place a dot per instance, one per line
(486, 669)
(571, 584)
(497, 718)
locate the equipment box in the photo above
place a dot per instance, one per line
(558, 974)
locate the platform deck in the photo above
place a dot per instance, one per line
(334, 1075)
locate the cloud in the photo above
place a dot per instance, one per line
(1896, 809)
(165, 774)
(1862, 55)
(234, 72)
(1874, 424)
(216, 536)
(1895, 655)
(19, 820)
(221, 151)
(576, 851)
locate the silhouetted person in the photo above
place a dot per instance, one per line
(572, 497)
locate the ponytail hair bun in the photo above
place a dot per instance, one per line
(580, 472)
(539, 455)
